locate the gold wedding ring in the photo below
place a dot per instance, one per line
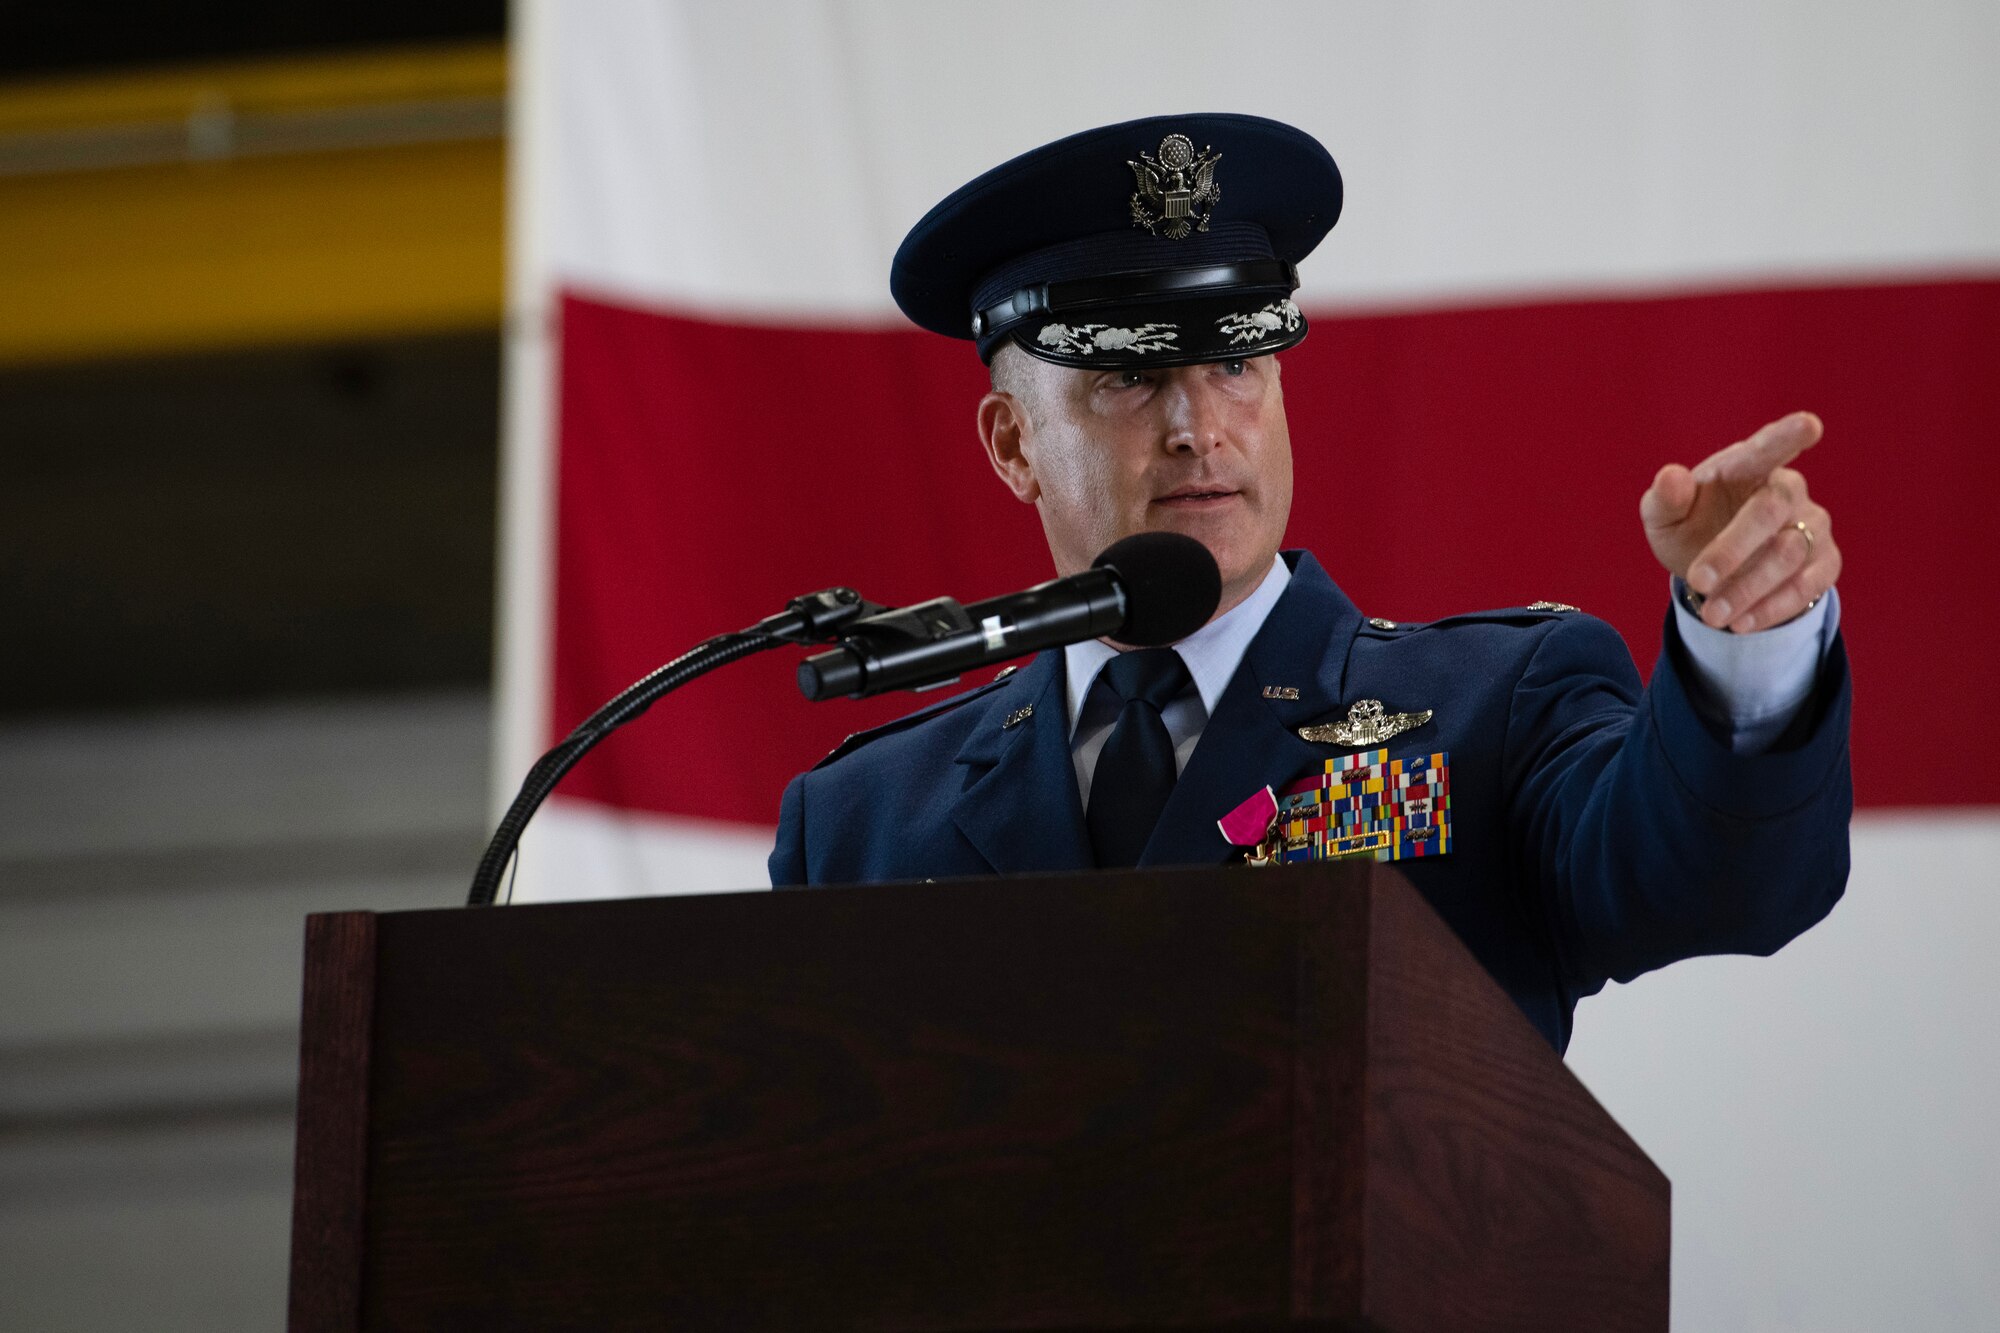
(1806, 532)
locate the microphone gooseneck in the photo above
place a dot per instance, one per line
(1149, 589)
(813, 618)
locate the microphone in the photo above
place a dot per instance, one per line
(1150, 589)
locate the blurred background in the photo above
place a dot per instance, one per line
(383, 387)
(250, 305)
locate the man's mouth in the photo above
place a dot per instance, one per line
(1196, 497)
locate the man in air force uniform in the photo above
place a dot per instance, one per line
(1129, 288)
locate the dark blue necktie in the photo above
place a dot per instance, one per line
(1135, 770)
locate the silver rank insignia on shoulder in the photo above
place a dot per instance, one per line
(1177, 189)
(1366, 724)
(1018, 716)
(1552, 606)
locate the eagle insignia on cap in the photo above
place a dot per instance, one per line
(1177, 189)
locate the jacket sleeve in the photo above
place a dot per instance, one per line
(788, 856)
(1650, 841)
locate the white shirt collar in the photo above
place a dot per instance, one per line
(1212, 653)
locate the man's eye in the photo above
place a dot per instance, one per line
(1234, 367)
(1131, 379)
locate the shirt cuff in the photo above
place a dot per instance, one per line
(1753, 685)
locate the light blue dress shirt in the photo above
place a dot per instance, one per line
(1753, 684)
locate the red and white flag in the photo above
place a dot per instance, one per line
(1576, 245)
(1580, 240)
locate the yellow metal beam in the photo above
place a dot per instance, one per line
(403, 74)
(245, 250)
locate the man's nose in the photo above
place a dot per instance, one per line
(1194, 412)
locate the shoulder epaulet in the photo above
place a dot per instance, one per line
(1531, 614)
(908, 720)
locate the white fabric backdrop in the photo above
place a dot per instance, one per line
(1820, 1113)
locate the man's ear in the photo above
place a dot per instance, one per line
(1004, 428)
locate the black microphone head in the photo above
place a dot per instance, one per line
(1171, 582)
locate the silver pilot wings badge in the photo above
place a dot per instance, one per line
(1368, 723)
(1177, 189)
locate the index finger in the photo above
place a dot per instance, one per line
(1769, 449)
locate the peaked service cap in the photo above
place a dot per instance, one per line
(1166, 241)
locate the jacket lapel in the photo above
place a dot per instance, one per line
(1020, 810)
(1251, 741)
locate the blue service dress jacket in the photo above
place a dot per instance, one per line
(1599, 830)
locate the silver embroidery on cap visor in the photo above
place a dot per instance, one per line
(1255, 326)
(1096, 339)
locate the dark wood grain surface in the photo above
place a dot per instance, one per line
(329, 1196)
(1501, 1196)
(1329, 1155)
(1210, 1099)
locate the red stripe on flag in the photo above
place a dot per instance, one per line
(708, 472)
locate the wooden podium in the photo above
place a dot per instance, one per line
(1193, 1099)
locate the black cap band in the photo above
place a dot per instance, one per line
(1053, 298)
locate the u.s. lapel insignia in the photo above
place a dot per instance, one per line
(1018, 716)
(1367, 724)
(1177, 189)
(1281, 691)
